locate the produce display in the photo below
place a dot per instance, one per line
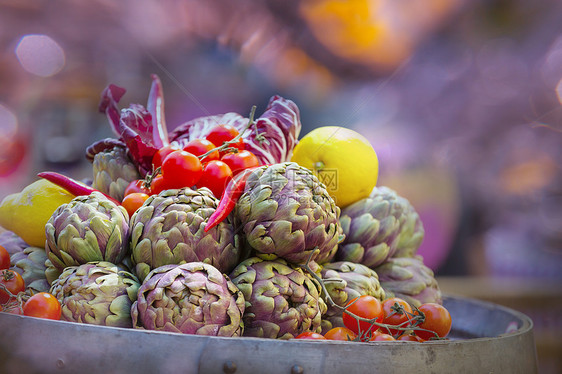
(226, 226)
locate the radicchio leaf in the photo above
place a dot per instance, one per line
(143, 131)
(271, 139)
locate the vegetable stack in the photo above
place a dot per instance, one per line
(215, 228)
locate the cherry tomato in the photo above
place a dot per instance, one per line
(135, 186)
(409, 338)
(133, 201)
(340, 333)
(364, 306)
(437, 319)
(310, 335)
(13, 282)
(42, 305)
(396, 313)
(224, 133)
(158, 185)
(201, 146)
(383, 338)
(159, 156)
(216, 175)
(239, 161)
(4, 258)
(181, 169)
(12, 308)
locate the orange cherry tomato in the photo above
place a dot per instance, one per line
(310, 335)
(396, 313)
(340, 333)
(42, 305)
(437, 319)
(133, 201)
(383, 338)
(4, 258)
(13, 282)
(367, 307)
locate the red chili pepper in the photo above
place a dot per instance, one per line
(229, 197)
(74, 187)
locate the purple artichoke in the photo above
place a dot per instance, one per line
(169, 229)
(286, 212)
(281, 301)
(97, 293)
(193, 298)
(12, 242)
(408, 278)
(378, 227)
(88, 228)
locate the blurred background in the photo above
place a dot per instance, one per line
(462, 100)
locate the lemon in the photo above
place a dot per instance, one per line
(343, 160)
(26, 213)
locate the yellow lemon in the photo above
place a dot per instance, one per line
(26, 213)
(343, 160)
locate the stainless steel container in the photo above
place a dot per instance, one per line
(485, 338)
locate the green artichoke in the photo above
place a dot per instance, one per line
(113, 171)
(378, 227)
(169, 229)
(345, 281)
(97, 293)
(89, 228)
(192, 298)
(30, 263)
(286, 212)
(408, 278)
(281, 301)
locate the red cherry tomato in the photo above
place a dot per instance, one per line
(410, 338)
(181, 169)
(199, 147)
(158, 185)
(224, 133)
(310, 336)
(159, 156)
(437, 319)
(13, 282)
(383, 338)
(216, 175)
(396, 313)
(340, 333)
(364, 306)
(239, 161)
(133, 201)
(4, 258)
(135, 186)
(42, 305)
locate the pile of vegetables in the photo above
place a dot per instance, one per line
(211, 229)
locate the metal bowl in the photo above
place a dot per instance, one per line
(485, 338)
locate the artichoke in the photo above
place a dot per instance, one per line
(193, 298)
(12, 242)
(113, 171)
(98, 293)
(408, 278)
(89, 228)
(345, 281)
(286, 212)
(30, 263)
(169, 229)
(281, 301)
(378, 227)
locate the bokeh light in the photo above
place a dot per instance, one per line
(40, 55)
